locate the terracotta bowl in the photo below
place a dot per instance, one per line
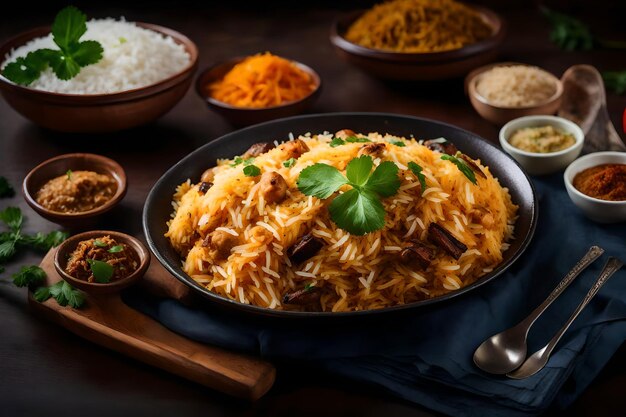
(242, 116)
(97, 113)
(67, 247)
(59, 165)
(501, 115)
(418, 66)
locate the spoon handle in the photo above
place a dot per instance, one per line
(594, 253)
(612, 265)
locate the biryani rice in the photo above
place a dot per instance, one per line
(352, 272)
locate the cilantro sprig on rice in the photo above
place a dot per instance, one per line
(70, 24)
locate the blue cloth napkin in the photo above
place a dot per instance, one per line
(426, 357)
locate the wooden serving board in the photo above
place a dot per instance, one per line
(107, 321)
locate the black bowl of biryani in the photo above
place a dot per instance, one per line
(419, 39)
(259, 228)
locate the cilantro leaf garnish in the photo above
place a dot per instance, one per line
(359, 210)
(251, 171)
(462, 166)
(350, 139)
(69, 174)
(102, 271)
(336, 142)
(42, 294)
(12, 217)
(29, 276)
(116, 249)
(62, 292)
(239, 160)
(45, 241)
(68, 27)
(417, 170)
(398, 143)
(289, 162)
(5, 188)
(100, 244)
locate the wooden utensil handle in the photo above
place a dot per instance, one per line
(146, 340)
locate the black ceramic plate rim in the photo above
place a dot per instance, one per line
(263, 311)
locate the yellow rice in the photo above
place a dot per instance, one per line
(352, 272)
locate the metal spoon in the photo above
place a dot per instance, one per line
(506, 351)
(538, 360)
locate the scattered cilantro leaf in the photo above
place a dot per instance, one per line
(102, 271)
(56, 292)
(417, 170)
(116, 249)
(239, 160)
(309, 286)
(7, 250)
(68, 27)
(75, 298)
(42, 294)
(384, 180)
(336, 142)
(289, 162)
(5, 188)
(320, 180)
(358, 170)
(45, 241)
(356, 139)
(614, 80)
(12, 217)
(251, 171)
(358, 212)
(69, 174)
(29, 276)
(100, 244)
(398, 143)
(462, 166)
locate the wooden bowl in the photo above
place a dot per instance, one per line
(67, 247)
(244, 116)
(418, 66)
(59, 165)
(502, 115)
(97, 113)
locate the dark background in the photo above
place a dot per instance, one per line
(47, 370)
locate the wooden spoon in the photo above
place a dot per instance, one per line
(584, 103)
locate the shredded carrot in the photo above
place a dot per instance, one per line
(263, 80)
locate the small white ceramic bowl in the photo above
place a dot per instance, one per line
(542, 163)
(601, 211)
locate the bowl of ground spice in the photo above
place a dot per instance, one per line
(101, 262)
(70, 189)
(596, 184)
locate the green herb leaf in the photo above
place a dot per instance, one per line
(27, 69)
(7, 250)
(251, 171)
(417, 170)
(320, 180)
(384, 180)
(358, 212)
(56, 292)
(44, 241)
(99, 243)
(356, 139)
(75, 298)
(69, 25)
(5, 188)
(462, 166)
(239, 160)
(87, 53)
(102, 271)
(29, 276)
(309, 286)
(337, 142)
(69, 174)
(567, 32)
(615, 80)
(358, 170)
(42, 294)
(116, 249)
(123, 40)
(398, 143)
(12, 217)
(289, 162)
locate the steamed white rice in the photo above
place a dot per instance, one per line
(133, 57)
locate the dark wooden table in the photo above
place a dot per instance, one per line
(47, 370)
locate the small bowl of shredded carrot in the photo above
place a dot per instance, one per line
(257, 88)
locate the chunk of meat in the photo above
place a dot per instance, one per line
(444, 239)
(204, 187)
(441, 146)
(208, 175)
(220, 243)
(294, 148)
(375, 149)
(305, 248)
(483, 216)
(258, 149)
(273, 187)
(416, 252)
(345, 133)
(302, 297)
